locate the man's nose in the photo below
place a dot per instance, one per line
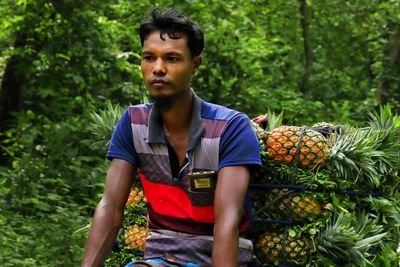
(159, 67)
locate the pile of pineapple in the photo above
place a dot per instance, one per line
(129, 245)
(328, 195)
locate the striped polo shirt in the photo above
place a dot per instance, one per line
(178, 201)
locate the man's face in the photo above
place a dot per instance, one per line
(167, 65)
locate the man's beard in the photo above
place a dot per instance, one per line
(165, 102)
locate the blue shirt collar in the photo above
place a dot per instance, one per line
(156, 132)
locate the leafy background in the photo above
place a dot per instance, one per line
(60, 61)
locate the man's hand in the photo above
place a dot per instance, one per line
(109, 212)
(228, 208)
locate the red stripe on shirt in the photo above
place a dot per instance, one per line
(172, 201)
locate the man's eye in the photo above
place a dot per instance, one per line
(172, 59)
(147, 58)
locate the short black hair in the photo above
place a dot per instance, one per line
(171, 22)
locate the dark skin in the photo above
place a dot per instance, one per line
(167, 68)
(109, 212)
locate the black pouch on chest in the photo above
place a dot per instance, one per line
(202, 181)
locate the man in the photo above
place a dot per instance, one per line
(194, 159)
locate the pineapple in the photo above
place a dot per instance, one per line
(322, 124)
(267, 121)
(261, 134)
(273, 247)
(347, 238)
(136, 196)
(364, 155)
(297, 206)
(135, 237)
(288, 142)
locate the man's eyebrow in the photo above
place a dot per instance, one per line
(174, 53)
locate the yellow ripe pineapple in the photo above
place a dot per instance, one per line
(283, 144)
(297, 206)
(136, 196)
(273, 247)
(135, 237)
(352, 152)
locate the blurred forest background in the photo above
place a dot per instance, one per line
(61, 61)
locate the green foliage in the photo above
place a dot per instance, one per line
(48, 191)
(43, 239)
(74, 62)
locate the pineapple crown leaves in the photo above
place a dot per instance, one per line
(337, 238)
(371, 232)
(102, 124)
(269, 121)
(385, 120)
(386, 126)
(352, 154)
(274, 121)
(349, 236)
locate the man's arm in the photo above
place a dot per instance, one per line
(230, 192)
(109, 212)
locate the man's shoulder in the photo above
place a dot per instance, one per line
(218, 112)
(138, 113)
(139, 107)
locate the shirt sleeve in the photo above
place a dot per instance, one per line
(121, 144)
(239, 144)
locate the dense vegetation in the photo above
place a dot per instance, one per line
(61, 61)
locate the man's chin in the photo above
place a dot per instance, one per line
(163, 102)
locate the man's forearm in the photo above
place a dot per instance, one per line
(225, 250)
(229, 199)
(106, 223)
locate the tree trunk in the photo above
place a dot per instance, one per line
(392, 68)
(304, 12)
(10, 92)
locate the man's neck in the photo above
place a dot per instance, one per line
(177, 119)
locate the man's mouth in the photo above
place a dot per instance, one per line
(158, 82)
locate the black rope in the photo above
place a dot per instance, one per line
(356, 193)
(282, 222)
(305, 188)
(282, 254)
(297, 156)
(274, 201)
(279, 186)
(137, 253)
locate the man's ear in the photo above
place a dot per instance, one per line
(196, 64)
